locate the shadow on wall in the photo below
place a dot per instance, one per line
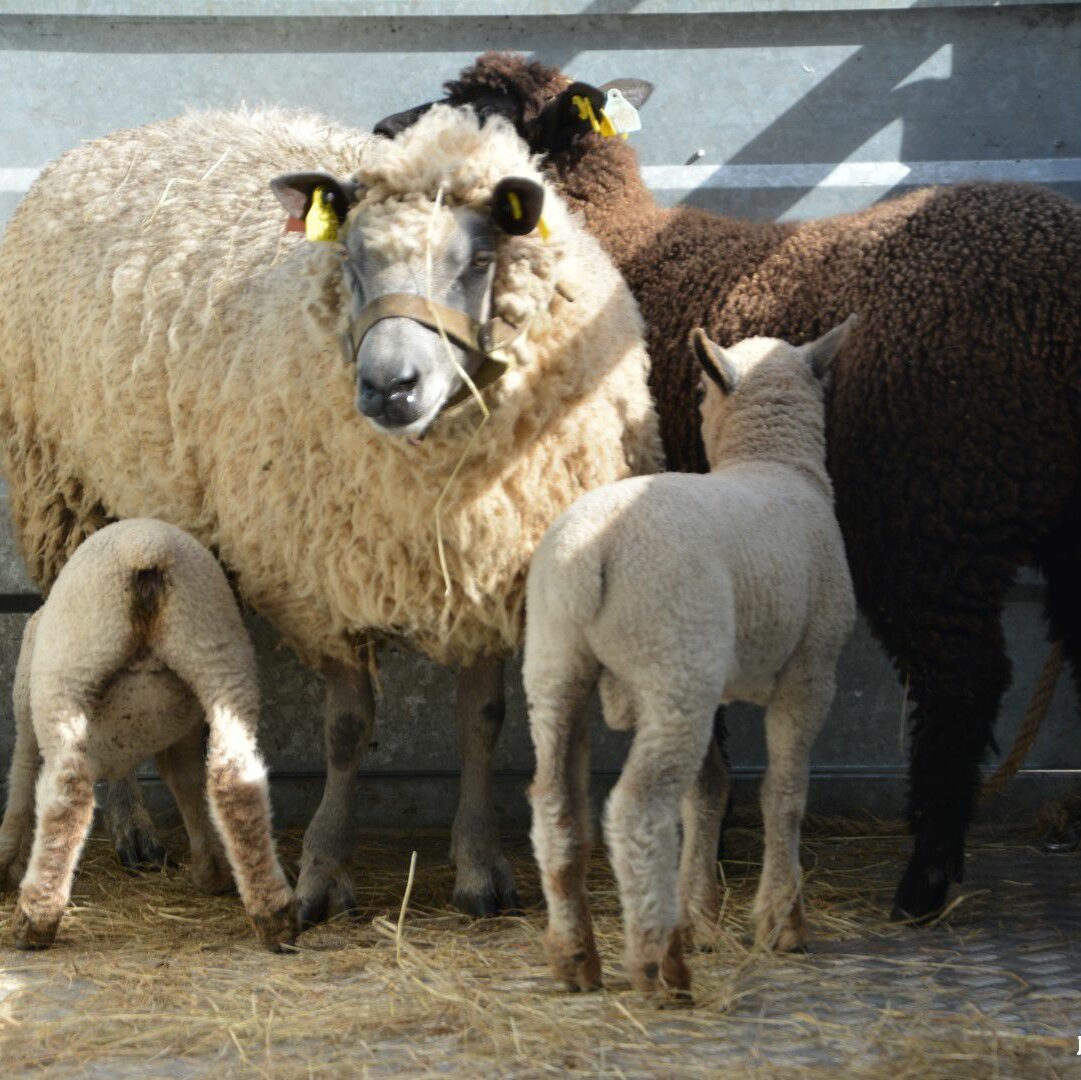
(954, 86)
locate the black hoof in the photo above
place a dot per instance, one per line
(1061, 841)
(921, 894)
(487, 903)
(141, 851)
(337, 898)
(314, 911)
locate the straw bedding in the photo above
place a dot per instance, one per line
(151, 978)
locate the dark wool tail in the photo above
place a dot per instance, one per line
(149, 587)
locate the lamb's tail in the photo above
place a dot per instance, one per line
(148, 589)
(567, 577)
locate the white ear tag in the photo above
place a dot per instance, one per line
(622, 113)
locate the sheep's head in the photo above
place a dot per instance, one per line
(547, 108)
(429, 228)
(755, 369)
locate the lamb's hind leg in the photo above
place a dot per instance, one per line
(484, 884)
(325, 885)
(794, 718)
(65, 810)
(128, 823)
(561, 829)
(207, 646)
(703, 810)
(640, 825)
(17, 830)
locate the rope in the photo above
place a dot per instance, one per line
(1030, 725)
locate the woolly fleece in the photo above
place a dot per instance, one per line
(166, 351)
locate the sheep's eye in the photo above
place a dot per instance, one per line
(482, 259)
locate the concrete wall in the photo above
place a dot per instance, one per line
(799, 109)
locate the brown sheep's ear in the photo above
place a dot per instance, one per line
(715, 361)
(294, 192)
(397, 122)
(821, 353)
(517, 204)
(567, 117)
(636, 91)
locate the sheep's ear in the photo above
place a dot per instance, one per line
(821, 353)
(636, 91)
(397, 122)
(715, 361)
(566, 117)
(294, 192)
(517, 204)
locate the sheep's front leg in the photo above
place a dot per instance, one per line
(703, 810)
(561, 828)
(325, 885)
(128, 823)
(183, 768)
(641, 827)
(484, 884)
(65, 804)
(794, 717)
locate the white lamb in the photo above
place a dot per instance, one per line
(682, 591)
(139, 641)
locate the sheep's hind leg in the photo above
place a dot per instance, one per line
(128, 823)
(957, 683)
(794, 718)
(484, 884)
(703, 809)
(183, 768)
(561, 828)
(640, 825)
(324, 886)
(65, 804)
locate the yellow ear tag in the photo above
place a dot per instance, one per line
(585, 111)
(321, 223)
(542, 228)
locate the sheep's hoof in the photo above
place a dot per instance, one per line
(32, 936)
(139, 850)
(921, 894)
(487, 891)
(579, 972)
(335, 897)
(278, 930)
(213, 878)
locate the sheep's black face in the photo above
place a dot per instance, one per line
(405, 371)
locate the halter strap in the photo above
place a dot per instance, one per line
(482, 340)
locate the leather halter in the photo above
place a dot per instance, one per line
(481, 340)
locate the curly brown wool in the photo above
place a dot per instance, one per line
(953, 421)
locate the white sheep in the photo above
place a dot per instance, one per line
(166, 351)
(139, 641)
(682, 591)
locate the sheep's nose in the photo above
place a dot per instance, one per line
(390, 396)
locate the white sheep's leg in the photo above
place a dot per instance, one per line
(65, 810)
(17, 830)
(324, 885)
(183, 768)
(207, 646)
(128, 823)
(702, 811)
(793, 718)
(561, 828)
(484, 883)
(641, 828)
